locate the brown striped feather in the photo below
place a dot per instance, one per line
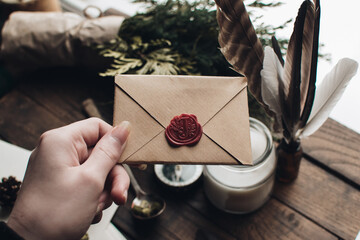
(290, 87)
(239, 42)
(312, 87)
(306, 55)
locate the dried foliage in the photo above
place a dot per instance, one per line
(138, 57)
(187, 32)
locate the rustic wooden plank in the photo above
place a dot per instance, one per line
(192, 211)
(337, 147)
(274, 220)
(22, 121)
(178, 221)
(323, 198)
(61, 91)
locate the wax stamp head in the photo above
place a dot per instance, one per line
(183, 130)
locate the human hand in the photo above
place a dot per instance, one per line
(71, 177)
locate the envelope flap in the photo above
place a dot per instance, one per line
(231, 129)
(164, 97)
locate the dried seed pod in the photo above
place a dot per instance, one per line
(9, 188)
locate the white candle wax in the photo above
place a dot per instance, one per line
(242, 189)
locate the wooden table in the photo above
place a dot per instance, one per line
(323, 203)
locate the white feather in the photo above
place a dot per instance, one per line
(271, 75)
(328, 94)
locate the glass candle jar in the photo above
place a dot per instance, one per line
(239, 188)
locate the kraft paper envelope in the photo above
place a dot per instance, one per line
(150, 102)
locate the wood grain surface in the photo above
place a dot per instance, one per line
(23, 120)
(337, 148)
(274, 220)
(323, 203)
(324, 199)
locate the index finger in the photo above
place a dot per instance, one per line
(90, 130)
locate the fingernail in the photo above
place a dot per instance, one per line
(125, 195)
(121, 132)
(100, 207)
(142, 166)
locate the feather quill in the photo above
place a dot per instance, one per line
(312, 87)
(306, 53)
(328, 94)
(293, 89)
(271, 75)
(239, 42)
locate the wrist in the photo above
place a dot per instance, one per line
(8, 233)
(20, 228)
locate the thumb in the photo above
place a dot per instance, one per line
(108, 149)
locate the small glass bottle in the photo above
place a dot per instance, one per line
(289, 157)
(239, 188)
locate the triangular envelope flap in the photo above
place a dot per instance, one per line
(159, 151)
(164, 97)
(230, 129)
(143, 127)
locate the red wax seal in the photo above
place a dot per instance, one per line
(183, 130)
